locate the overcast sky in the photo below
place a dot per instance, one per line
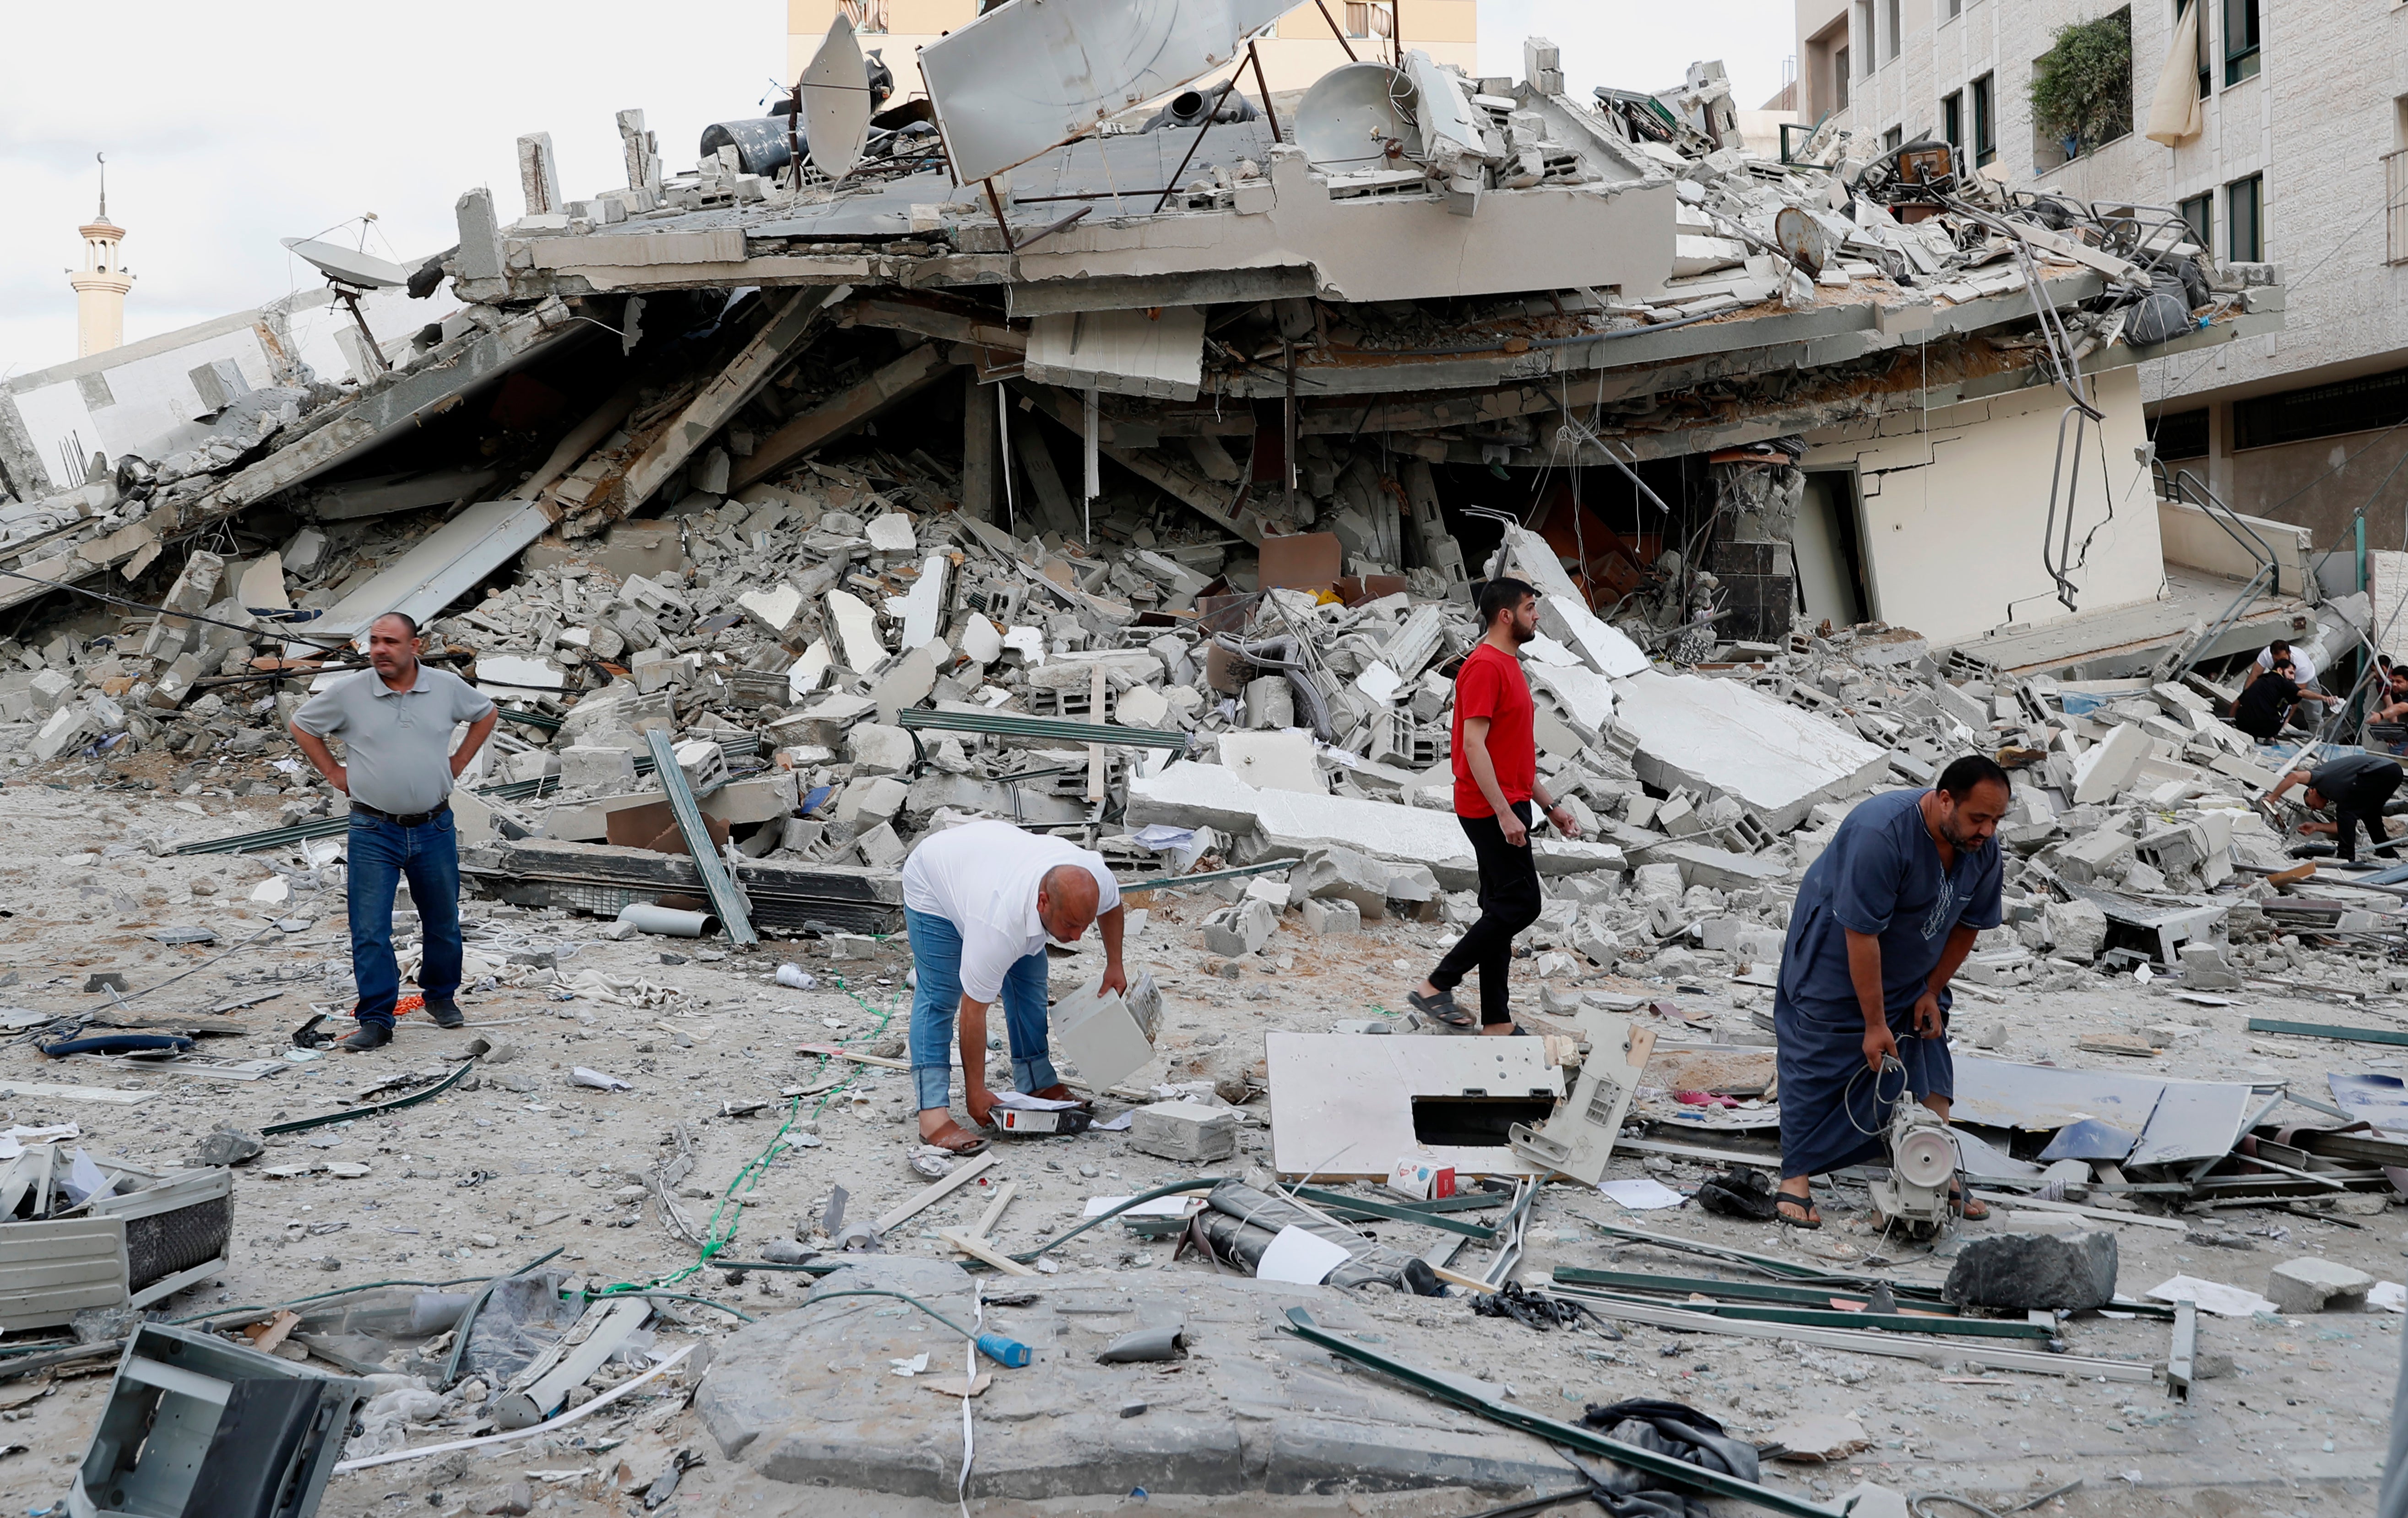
(226, 130)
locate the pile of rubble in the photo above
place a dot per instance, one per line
(793, 512)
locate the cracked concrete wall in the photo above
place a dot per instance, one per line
(1953, 507)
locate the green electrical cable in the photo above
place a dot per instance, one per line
(715, 1239)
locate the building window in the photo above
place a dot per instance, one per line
(1952, 118)
(2206, 72)
(2244, 219)
(865, 15)
(2296, 416)
(1840, 79)
(1893, 139)
(1985, 122)
(2240, 41)
(1891, 16)
(2081, 89)
(1951, 10)
(2200, 212)
(1865, 54)
(1358, 19)
(2181, 434)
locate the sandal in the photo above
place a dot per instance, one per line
(955, 1139)
(1808, 1218)
(1060, 1093)
(1971, 1209)
(1445, 1010)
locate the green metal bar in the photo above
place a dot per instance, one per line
(1172, 882)
(1059, 729)
(326, 827)
(716, 882)
(1363, 1208)
(2327, 1030)
(532, 719)
(1587, 1440)
(1805, 1317)
(1631, 1281)
(302, 1124)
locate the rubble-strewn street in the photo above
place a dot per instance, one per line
(793, 514)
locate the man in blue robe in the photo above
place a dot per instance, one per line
(1882, 922)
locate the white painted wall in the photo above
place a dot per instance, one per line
(149, 383)
(1954, 511)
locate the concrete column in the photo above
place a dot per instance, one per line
(1753, 562)
(978, 448)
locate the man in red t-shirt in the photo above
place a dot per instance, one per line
(1496, 776)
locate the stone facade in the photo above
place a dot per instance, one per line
(2317, 121)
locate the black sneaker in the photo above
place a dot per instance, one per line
(446, 1015)
(367, 1036)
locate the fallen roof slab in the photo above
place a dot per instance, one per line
(1291, 822)
(1723, 738)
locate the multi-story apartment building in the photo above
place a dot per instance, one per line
(2299, 158)
(1303, 46)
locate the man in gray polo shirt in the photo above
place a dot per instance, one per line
(395, 719)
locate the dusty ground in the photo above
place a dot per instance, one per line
(476, 1182)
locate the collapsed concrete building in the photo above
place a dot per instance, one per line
(1126, 472)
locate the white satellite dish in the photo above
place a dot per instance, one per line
(1346, 122)
(348, 265)
(836, 101)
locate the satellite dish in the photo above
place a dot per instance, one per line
(1348, 120)
(836, 101)
(1803, 238)
(349, 266)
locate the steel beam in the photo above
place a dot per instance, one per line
(725, 899)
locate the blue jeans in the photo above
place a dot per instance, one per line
(937, 1001)
(380, 854)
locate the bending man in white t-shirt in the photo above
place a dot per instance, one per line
(980, 900)
(2304, 672)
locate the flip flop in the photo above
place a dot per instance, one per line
(1811, 1221)
(1445, 1010)
(955, 1139)
(1971, 1209)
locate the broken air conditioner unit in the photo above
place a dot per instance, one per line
(145, 1237)
(198, 1427)
(1578, 1138)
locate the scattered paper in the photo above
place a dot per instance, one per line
(85, 1180)
(1116, 1125)
(911, 1367)
(596, 1080)
(272, 890)
(1027, 1103)
(2214, 1296)
(1640, 1193)
(1301, 1257)
(951, 1386)
(2388, 1295)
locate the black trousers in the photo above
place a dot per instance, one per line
(2364, 803)
(1509, 902)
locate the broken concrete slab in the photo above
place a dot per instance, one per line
(1185, 1132)
(1289, 824)
(1722, 738)
(2318, 1286)
(1274, 1419)
(2102, 771)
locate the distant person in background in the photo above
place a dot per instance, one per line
(2303, 670)
(2267, 701)
(2355, 787)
